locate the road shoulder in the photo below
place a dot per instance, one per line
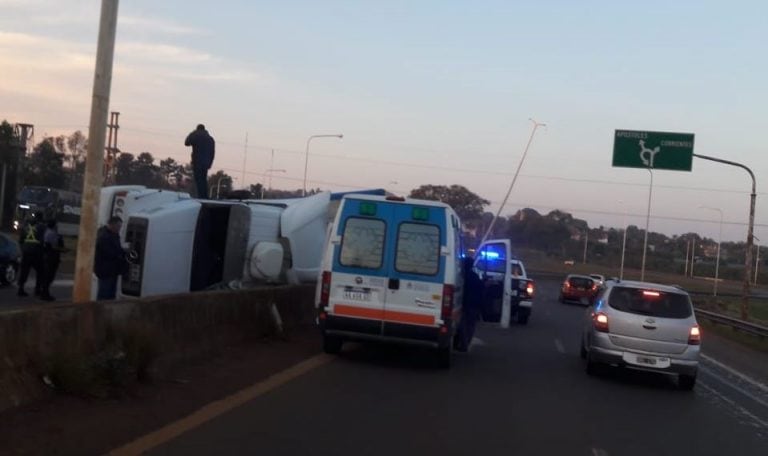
(71, 425)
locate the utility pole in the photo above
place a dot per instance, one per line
(111, 149)
(647, 224)
(93, 178)
(22, 133)
(687, 254)
(586, 241)
(245, 158)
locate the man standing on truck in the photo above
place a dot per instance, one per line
(203, 152)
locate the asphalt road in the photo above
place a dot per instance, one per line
(61, 289)
(519, 391)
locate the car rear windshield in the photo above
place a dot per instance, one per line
(581, 282)
(362, 243)
(650, 302)
(418, 249)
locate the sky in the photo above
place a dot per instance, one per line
(424, 92)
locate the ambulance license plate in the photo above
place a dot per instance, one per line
(357, 296)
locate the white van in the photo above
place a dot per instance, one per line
(392, 271)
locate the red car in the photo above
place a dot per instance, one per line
(579, 288)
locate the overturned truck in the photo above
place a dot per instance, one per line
(178, 244)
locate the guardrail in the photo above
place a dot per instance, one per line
(735, 323)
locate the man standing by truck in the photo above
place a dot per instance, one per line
(110, 262)
(203, 152)
(31, 240)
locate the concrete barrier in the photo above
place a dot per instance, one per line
(148, 334)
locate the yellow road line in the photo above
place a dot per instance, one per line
(220, 407)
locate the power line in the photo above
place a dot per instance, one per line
(444, 168)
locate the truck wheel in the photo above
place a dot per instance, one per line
(444, 355)
(332, 344)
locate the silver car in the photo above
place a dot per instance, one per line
(643, 326)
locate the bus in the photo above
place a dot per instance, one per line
(56, 204)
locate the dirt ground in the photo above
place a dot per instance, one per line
(66, 425)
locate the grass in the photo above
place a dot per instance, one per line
(538, 261)
(757, 343)
(758, 308)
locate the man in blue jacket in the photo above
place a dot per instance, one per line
(203, 152)
(109, 262)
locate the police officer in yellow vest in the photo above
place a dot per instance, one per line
(31, 240)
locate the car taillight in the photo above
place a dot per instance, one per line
(529, 289)
(325, 289)
(566, 285)
(447, 308)
(600, 321)
(694, 336)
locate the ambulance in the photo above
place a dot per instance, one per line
(392, 272)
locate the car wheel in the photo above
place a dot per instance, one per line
(9, 273)
(583, 350)
(444, 355)
(592, 368)
(332, 344)
(686, 382)
(561, 299)
(522, 317)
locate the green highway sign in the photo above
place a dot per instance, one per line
(653, 150)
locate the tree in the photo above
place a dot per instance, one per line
(219, 184)
(124, 169)
(173, 174)
(467, 204)
(45, 166)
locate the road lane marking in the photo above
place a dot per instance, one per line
(220, 407)
(739, 408)
(477, 341)
(559, 346)
(733, 371)
(599, 452)
(726, 382)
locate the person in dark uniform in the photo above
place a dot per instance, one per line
(31, 240)
(53, 246)
(203, 152)
(471, 305)
(110, 262)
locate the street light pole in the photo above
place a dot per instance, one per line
(719, 240)
(536, 125)
(306, 157)
(757, 257)
(647, 224)
(746, 291)
(586, 242)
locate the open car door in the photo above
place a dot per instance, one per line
(493, 266)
